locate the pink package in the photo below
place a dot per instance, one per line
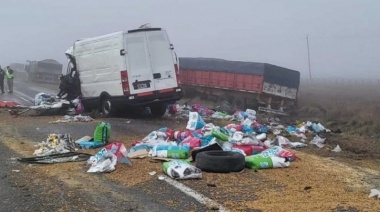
(192, 142)
(118, 149)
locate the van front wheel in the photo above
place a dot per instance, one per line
(158, 109)
(106, 107)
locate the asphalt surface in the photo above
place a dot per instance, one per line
(24, 92)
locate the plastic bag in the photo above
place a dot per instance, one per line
(262, 129)
(238, 136)
(191, 142)
(181, 169)
(220, 136)
(249, 150)
(119, 150)
(249, 141)
(374, 193)
(170, 151)
(195, 121)
(247, 129)
(206, 140)
(102, 132)
(318, 141)
(155, 135)
(103, 161)
(337, 149)
(283, 142)
(262, 162)
(90, 144)
(279, 152)
(182, 135)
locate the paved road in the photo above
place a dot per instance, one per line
(24, 92)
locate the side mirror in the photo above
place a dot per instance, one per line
(171, 47)
(122, 52)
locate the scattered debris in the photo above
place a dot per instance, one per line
(211, 185)
(103, 161)
(181, 169)
(337, 149)
(318, 141)
(307, 188)
(57, 158)
(77, 118)
(55, 143)
(152, 173)
(374, 193)
(142, 153)
(15, 170)
(8, 104)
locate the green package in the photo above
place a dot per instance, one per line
(258, 162)
(220, 136)
(102, 132)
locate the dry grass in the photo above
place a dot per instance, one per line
(354, 108)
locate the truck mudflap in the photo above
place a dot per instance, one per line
(274, 111)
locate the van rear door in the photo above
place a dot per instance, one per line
(162, 60)
(140, 75)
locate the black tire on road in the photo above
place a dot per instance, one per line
(219, 161)
(106, 107)
(238, 103)
(158, 110)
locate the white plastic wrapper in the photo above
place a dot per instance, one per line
(374, 193)
(181, 169)
(249, 141)
(195, 121)
(103, 161)
(337, 149)
(238, 136)
(318, 141)
(283, 142)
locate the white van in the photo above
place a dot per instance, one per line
(136, 67)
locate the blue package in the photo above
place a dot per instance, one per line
(247, 129)
(262, 129)
(90, 144)
(291, 129)
(140, 147)
(206, 140)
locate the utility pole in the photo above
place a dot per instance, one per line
(308, 54)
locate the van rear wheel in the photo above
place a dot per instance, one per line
(158, 109)
(106, 107)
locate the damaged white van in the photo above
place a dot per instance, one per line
(128, 68)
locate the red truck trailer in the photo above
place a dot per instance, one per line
(261, 86)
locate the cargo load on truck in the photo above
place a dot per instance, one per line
(259, 85)
(47, 71)
(135, 68)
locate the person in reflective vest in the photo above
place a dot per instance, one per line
(2, 76)
(10, 77)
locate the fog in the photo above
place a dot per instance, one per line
(344, 35)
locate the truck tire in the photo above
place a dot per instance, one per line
(158, 110)
(238, 103)
(106, 107)
(220, 161)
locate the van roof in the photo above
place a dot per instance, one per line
(144, 29)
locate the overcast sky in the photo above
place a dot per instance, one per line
(344, 35)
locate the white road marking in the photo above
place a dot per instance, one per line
(211, 204)
(24, 97)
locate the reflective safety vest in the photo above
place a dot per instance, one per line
(9, 75)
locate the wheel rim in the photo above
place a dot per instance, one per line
(107, 107)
